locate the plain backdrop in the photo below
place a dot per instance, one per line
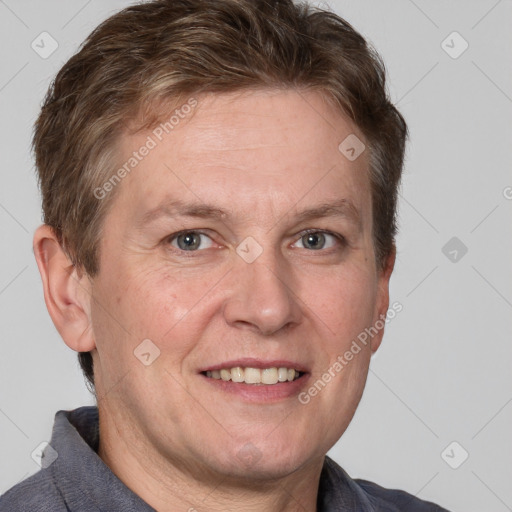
(439, 388)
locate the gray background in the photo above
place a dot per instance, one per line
(443, 372)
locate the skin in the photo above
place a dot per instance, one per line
(171, 436)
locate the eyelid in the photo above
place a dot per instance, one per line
(169, 238)
(339, 237)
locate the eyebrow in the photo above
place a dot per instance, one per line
(341, 208)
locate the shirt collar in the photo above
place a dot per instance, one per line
(82, 477)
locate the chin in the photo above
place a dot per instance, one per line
(264, 461)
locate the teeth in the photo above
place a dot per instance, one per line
(282, 374)
(269, 376)
(255, 375)
(237, 374)
(252, 376)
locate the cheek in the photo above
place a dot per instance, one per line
(133, 307)
(344, 301)
(158, 304)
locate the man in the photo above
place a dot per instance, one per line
(219, 185)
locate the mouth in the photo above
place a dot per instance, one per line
(257, 381)
(249, 375)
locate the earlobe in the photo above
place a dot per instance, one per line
(66, 293)
(383, 298)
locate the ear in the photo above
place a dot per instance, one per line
(382, 304)
(67, 292)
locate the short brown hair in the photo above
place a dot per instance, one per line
(164, 50)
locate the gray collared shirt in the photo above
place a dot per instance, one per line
(75, 479)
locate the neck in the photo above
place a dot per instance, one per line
(170, 485)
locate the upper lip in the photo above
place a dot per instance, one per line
(250, 362)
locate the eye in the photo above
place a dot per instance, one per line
(317, 240)
(190, 240)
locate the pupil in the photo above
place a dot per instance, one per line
(315, 240)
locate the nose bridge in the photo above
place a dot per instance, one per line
(262, 294)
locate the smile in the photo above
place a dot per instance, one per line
(248, 375)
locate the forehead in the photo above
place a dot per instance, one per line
(243, 149)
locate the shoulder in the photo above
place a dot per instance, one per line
(395, 499)
(368, 496)
(37, 493)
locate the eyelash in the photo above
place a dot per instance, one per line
(342, 241)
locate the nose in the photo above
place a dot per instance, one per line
(262, 297)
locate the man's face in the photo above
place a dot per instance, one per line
(245, 287)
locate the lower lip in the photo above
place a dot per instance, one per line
(263, 393)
